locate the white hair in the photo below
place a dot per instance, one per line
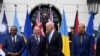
(50, 23)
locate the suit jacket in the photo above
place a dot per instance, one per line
(54, 48)
(70, 43)
(86, 48)
(35, 49)
(70, 36)
(98, 47)
(18, 47)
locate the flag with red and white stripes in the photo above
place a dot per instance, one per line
(51, 16)
(39, 23)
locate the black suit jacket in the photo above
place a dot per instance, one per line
(18, 47)
(98, 47)
(54, 48)
(35, 49)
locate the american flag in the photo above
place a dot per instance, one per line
(39, 23)
(51, 16)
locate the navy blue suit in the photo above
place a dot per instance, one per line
(18, 47)
(98, 47)
(54, 48)
(35, 49)
(84, 48)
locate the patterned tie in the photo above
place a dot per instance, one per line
(14, 40)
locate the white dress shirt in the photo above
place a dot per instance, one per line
(2, 53)
(15, 38)
(38, 38)
(50, 35)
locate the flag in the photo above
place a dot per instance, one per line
(65, 38)
(27, 26)
(76, 23)
(51, 16)
(98, 34)
(27, 30)
(4, 28)
(3, 32)
(89, 28)
(16, 23)
(39, 23)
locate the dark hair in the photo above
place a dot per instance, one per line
(14, 27)
(71, 27)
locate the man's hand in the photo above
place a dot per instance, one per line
(17, 54)
(13, 54)
(10, 53)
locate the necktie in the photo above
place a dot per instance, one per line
(81, 38)
(37, 40)
(14, 40)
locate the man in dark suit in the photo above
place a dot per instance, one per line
(71, 34)
(36, 44)
(14, 44)
(53, 41)
(98, 46)
(83, 43)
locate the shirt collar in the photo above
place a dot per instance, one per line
(52, 31)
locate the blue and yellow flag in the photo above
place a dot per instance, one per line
(65, 38)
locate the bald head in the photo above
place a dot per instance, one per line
(49, 26)
(81, 28)
(82, 25)
(36, 30)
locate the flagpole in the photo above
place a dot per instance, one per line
(77, 7)
(15, 6)
(39, 14)
(4, 7)
(27, 6)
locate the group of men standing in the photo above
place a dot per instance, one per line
(37, 45)
(49, 45)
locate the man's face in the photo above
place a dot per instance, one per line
(48, 28)
(36, 31)
(80, 29)
(13, 31)
(72, 30)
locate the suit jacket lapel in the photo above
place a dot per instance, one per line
(10, 38)
(47, 37)
(40, 40)
(52, 36)
(34, 40)
(79, 39)
(12, 41)
(84, 36)
(16, 39)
